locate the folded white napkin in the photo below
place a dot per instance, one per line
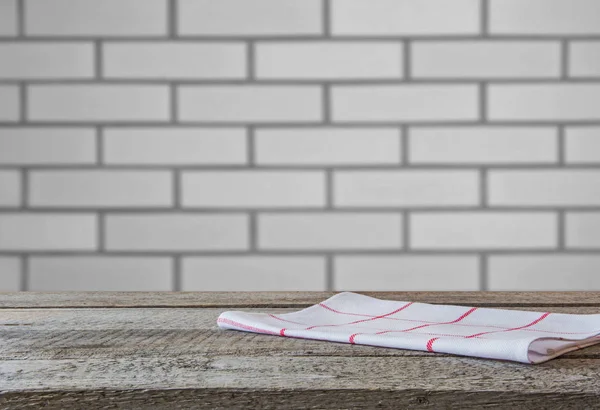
(521, 336)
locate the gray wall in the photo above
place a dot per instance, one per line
(299, 144)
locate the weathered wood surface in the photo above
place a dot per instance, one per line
(284, 299)
(174, 356)
(114, 333)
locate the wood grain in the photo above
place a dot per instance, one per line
(165, 351)
(110, 333)
(284, 299)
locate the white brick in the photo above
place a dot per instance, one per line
(10, 273)
(46, 60)
(550, 187)
(253, 273)
(47, 232)
(485, 59)
(120, 103)
(582, 144)
(544, 273)
(177, 232)
(96, 18)
(582, 230)
(175, 146)
(391, 188)
(330, 231)
(406, 273)
(584, 59)
(162, 60)
(327, 146)
(560, 17)
(483, 230)
(9, 103)
(329, 60)
(47, 146)
(250, 103)
(404, 17)
(483, 145)
(98, 273)
(8, 18)
(544, 102)
(404, 103)
(244, 18)
(253, 189)
(97, 189)
(10, 188)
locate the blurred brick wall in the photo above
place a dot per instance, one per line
(299, 144)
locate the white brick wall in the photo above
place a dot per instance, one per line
(254, 273)
(483, 145)
(483, 230)
(175, 146)
(100, 103)
(544, 188)
(299, 144)
(583, 230)
(10, 274)
(584, 59)
(8, 18)
(9, 103)
(174, 60)
(582, 145)
(97, 189)
(10, 189)
(56, 273)
(46, 60)
(328, 146)
(405, 17)
(176, 232)
(406, 188)
(240, 104)
(407, 273)
(559, 17)
(88, 18)
(329, 60)
(409, 103)
(256, 18)
(544, 102)
(48, 232)
(575, 272)
(253, 189)
(330, 231)
(47, 146)
(486, 59)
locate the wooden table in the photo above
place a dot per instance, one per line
(164, 350)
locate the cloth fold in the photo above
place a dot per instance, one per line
(515, 335)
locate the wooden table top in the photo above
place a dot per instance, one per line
(164, 350)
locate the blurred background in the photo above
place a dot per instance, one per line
(299, 145)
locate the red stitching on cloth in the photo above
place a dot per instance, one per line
(363, 320)
(464, 315)
(246, 327)
(282, 332)
(458, 324)
(538, 320)
(285, 320)
(323, 305)
(430, 343)
(352, 338)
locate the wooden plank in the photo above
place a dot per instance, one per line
(54, 334)
(284, 299)
(440, 382)
(175, 343)
(156, 318)
(226, 399)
